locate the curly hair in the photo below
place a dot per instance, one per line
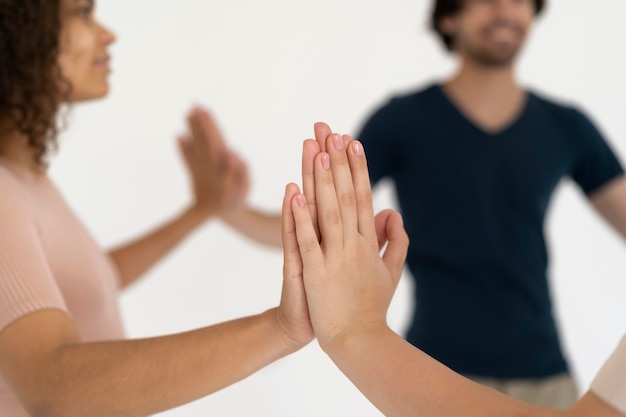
(445, 8)
(32, 87)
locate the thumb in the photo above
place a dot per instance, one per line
(395, 254)
(380, 225)
(185, 148)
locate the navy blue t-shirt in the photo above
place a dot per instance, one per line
(474, 205)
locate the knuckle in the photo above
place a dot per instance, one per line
(347, 199)
(308, 247)
(333, 217)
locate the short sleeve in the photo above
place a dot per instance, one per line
(610, 383)
(26, 280)
(596, 163)
(377, 136)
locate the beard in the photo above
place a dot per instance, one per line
(489, 53)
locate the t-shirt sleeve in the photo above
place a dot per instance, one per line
(596, 163)
(26, 280)
(610, 383)
(378, 136)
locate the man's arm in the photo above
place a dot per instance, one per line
(261, 227)
(610, 202)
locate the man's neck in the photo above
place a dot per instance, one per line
(480, 82)
(489, 96)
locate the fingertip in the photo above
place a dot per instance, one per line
(323, 160)
(311, 145)
(300, 200)
(321, 127)
(396, 224)
(196, 111)
(322, 132)
(398, 216)
(292, 188)
(331, 140)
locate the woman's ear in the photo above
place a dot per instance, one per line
(447, 25)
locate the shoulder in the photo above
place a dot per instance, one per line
(419, 99)
(565, 114)
(15, 197)
(9, 182)
(569, 122)
(397, 109)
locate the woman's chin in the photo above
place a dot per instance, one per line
(85, 96)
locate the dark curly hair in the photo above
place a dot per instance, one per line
(445, 8)
(32, 87)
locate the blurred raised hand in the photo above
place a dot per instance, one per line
(219, 178)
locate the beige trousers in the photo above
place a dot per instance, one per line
(559, 391)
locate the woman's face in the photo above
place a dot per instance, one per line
(84, 58)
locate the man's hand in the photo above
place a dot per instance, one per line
(219, 178)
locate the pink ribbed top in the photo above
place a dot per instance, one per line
(49, 261)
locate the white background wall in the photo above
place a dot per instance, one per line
(269, 70)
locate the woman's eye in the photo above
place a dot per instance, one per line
(85, 12)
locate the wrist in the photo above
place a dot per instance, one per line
(198, 215)
(280, 327)
(233, 215)
(345, 341)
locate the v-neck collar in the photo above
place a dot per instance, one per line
(475, 126)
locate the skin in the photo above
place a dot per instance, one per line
(490, 32)
(84, 58)
(487, 37)
(42, 357)
(349, 287)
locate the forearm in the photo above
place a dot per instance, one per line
(261, 227)
(610, 202)
(136, 258)
(402, 381)
(141, 377)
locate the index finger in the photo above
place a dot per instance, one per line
(310, 149)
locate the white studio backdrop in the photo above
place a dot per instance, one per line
(269, 70)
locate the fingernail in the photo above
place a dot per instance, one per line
(357, 148)
(337, 142)
(300, 201)
(325, 161)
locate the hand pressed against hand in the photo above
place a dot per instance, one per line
(219, 177)
(292, 313)
(348, 285)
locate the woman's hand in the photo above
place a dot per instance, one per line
(349, 286)
(293, 314)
